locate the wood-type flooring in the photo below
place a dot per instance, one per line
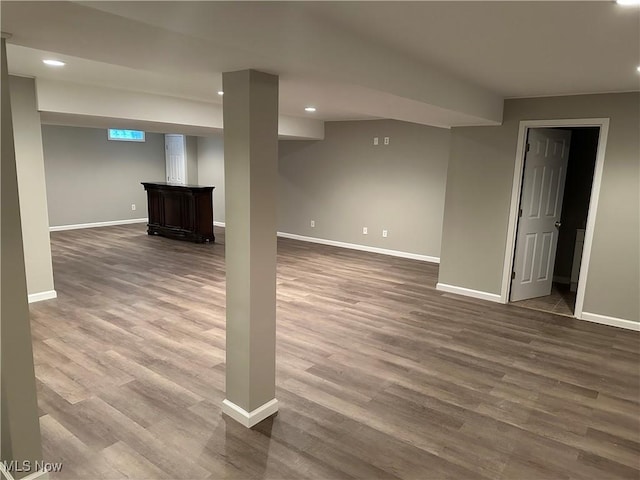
(561, 301)
(379, 376)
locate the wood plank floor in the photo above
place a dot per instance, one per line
(379, 375)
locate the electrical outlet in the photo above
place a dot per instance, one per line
(313, 223)
(365, 231)
(375, 140)
(386, 140)
(133, 206)
(384, 233)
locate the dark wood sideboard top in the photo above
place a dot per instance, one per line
(177, 186)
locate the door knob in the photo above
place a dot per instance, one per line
(558, 224)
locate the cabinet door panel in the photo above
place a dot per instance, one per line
(173, 210)
(155, 206)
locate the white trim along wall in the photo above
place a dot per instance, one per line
(613, 321)
(37, 475)
(40, 296)
(467, 292)
(353, 246)
(362, 248)
(78, 226)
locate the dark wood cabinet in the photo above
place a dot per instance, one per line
(184, 212)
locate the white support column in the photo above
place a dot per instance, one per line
(251, 163)
(20, 427)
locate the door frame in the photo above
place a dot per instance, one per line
(509, 258)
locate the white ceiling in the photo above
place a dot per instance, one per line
(514, 48)
(437, 63)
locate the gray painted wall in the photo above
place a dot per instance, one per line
(91, 179)
(478, 194)
(345, 183)
(191, 144)
(211, 170)
(31, 184)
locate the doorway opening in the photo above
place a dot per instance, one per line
(556, 187)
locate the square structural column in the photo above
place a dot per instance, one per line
(20, 442)
(250, 116)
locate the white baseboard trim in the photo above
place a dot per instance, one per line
(5, 473)
(363, 248)
(249, 419)
(40, 296)
(612, 321)
(467, 292)
(218, 224)
(77, 226)
(37, 475)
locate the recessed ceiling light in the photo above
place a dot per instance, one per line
(638, 69)
(220, 92)
(628, 3)
(53, 63)
(310, 109)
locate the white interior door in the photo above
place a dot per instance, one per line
(176, 158)
(545, 172)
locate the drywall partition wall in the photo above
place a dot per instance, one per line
(91, 179)
(32, 189)
(345, 183)
(479, 181)
(191, 144)
(211, 171)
